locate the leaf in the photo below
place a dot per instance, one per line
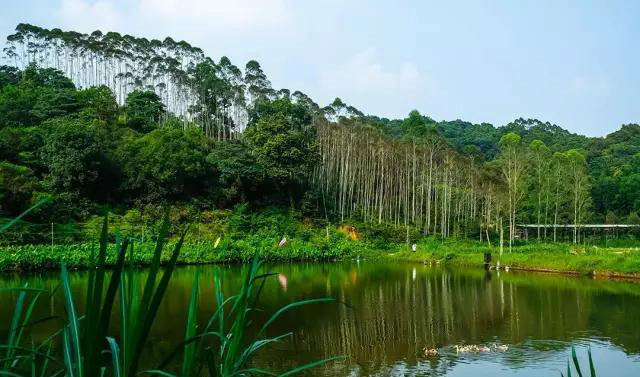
(72, 341)
(188, 360)
(310, 365)
(33, 207)
(575, 361)
(291, 306)
(115, 357)
(591, 367)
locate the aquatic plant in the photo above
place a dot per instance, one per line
(576, 364)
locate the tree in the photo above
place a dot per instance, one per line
(512, 166)
(258, 86)
(98, 102)
(165, 165)
(17, 185)
(239, 174)
(143, 110)
(41, 94)
(74, 164)
(282, 141)
(9, 75)
(579, 183)
(558, 187)
(540, 154)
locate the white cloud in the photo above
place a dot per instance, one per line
(236, 15)
(199, 20)
(87, 16)
(364, 82)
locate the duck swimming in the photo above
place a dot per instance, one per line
(500, 347)
(430, 351)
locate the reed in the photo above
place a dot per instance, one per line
(576, 365)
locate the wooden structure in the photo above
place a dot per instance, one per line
(522, 230)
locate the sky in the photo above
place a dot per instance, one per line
(572, 63)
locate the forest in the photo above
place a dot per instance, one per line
(105, 122)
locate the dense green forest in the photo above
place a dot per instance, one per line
(109, 122)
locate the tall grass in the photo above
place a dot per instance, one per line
(82, 345)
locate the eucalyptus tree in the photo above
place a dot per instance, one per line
(512, 162)
(557, 187)
(540, 156)
(416, 181)
(122, 62)
(210, 90)
(338, 110)
(235, 103)
(579, 183)
(257, 85)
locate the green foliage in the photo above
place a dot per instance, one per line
(41, 94)
(99, 103)
(282, 140)
(143, 109)
(17, 183)
(614, 164)
(510, 140)
(239, 174)
(165, 164)
(9, 75)
(75, 165)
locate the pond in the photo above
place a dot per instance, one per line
(387, 314)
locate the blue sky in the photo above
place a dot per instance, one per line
(573, 63)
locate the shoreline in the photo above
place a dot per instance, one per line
(606, 264)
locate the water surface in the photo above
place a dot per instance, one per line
(388, 313)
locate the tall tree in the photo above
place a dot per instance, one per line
(540, 155)
(282, 141)
(513, 168)
(579, 183)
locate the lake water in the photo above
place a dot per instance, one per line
(388, 313)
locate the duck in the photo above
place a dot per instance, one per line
(430, 351)
(472, 348)
(501, 347)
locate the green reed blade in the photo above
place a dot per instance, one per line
(72, 340)
(188, 359)
(576, 364)
(310, 365)
(115, 357)
(592, 369)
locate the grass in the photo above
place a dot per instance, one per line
(78, 256)
(233, 236)
(223, 345)
(542, 256)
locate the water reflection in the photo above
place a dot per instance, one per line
(387, 314)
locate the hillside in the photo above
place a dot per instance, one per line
(104, 121)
